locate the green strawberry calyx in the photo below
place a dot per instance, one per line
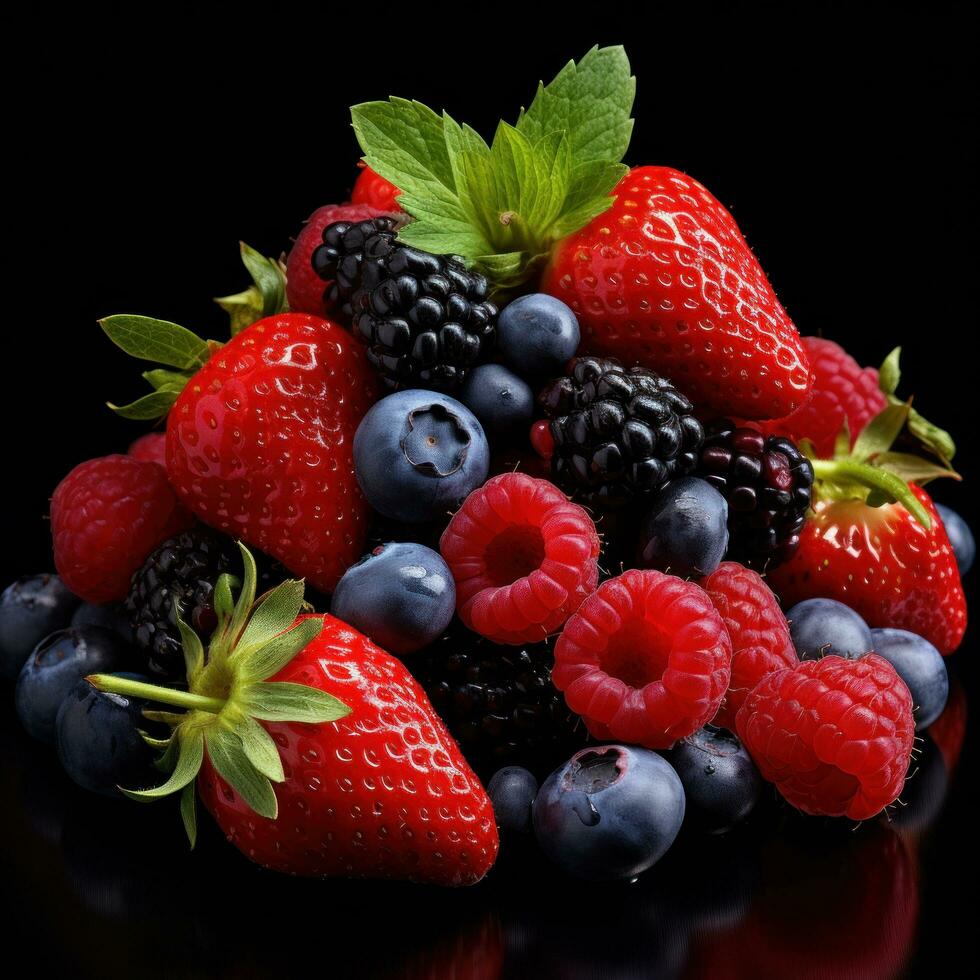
(503, 206)
(229, 693)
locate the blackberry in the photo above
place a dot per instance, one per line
(767, 482)
(425, 318)
(618, 432)
(499, 703)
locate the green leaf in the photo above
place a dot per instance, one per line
(936, 440)
(260, 662)
(889, 373)
(275, 612)
(189, 758)
(161, 378)
(260, 749)
(914, 469)
(188, 812)
(266, 297)
(193, 648)
(243, 607)
(164, 717)
(155, 743)
(156, 340)
(228, 757)
(881, 432)
(168, 758)
(283, 701)
(842, 475)
(842, 443)
(150, 407)
(224, 602)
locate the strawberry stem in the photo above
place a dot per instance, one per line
(844, 472)
(112, 684)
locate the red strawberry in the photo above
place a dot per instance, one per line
(151, 448)
(304, 288)
(664, 278)
(372, 189)
(259, 443)
(317, 753)
(107, 515)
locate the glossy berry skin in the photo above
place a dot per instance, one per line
(825, 626)
(56, 666)
(883, 564)
(305, 290)
(98, 740)
(664, 278)
(107, 515)
(400, 595)
(760, 636)
(835, 736)
(646, 659)
(842, 391)
(922, 668)
(260, 443)
(610, 812)
(960, 536)
(151, 448)
(537, 335)
(373, 190)
(721, 783)
(30, 609)
(685, 531)
(503, 402)
(381, 793)
(523, 557)
(512, 791)
(418, 454)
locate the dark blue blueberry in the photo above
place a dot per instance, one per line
(685, 531)
(610, 812)
(418, 454)
(512, 791)
(821, 627)
(30, 609)
(401, 595)
(111, 617)
(960, 537)
(57, 664)
(721, 783)
(537, 335)
(502, 402)
(98, 740)
(922, 668)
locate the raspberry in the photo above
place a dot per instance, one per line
(645, 660)
(372, 189)
(151, 448)
(523, 557)
(107, 515)
(761, 642)
(842, 389)
(834, 735)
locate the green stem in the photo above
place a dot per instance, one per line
(113, 684)
(874, 478)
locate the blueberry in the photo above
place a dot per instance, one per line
(721, 783)
(418, 454)
(960, 537)
(537, 335)
(824, 626)
(922, 668)
(57, 664)
(502, 402)
(686, 529)
(111, 617)
(512, 791)
(609, 812)
(401, 595)
(30, 609)
(98, 740)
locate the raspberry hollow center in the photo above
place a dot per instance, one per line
(637, 653)
(514, 554)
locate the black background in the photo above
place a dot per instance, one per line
(841, 137)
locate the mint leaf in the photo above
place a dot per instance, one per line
(156, 340)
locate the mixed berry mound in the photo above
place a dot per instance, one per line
(523, 557)
(768, 484)
(425, 318)
(834, 735)
(645, 660)
(617, 432)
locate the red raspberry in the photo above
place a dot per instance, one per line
(523, 557)
(107, 515)
(304, 288)
(842, 389)
(645, 660)
(760, 636)
(372, 189)
(834, 735)
(151, 448)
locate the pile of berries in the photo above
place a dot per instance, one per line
(575, 496)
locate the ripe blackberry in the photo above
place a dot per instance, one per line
(618, 432)
(767, 482)
(499, 703)
(425, 318)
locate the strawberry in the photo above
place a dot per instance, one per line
(372, 189)
(315, 751)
